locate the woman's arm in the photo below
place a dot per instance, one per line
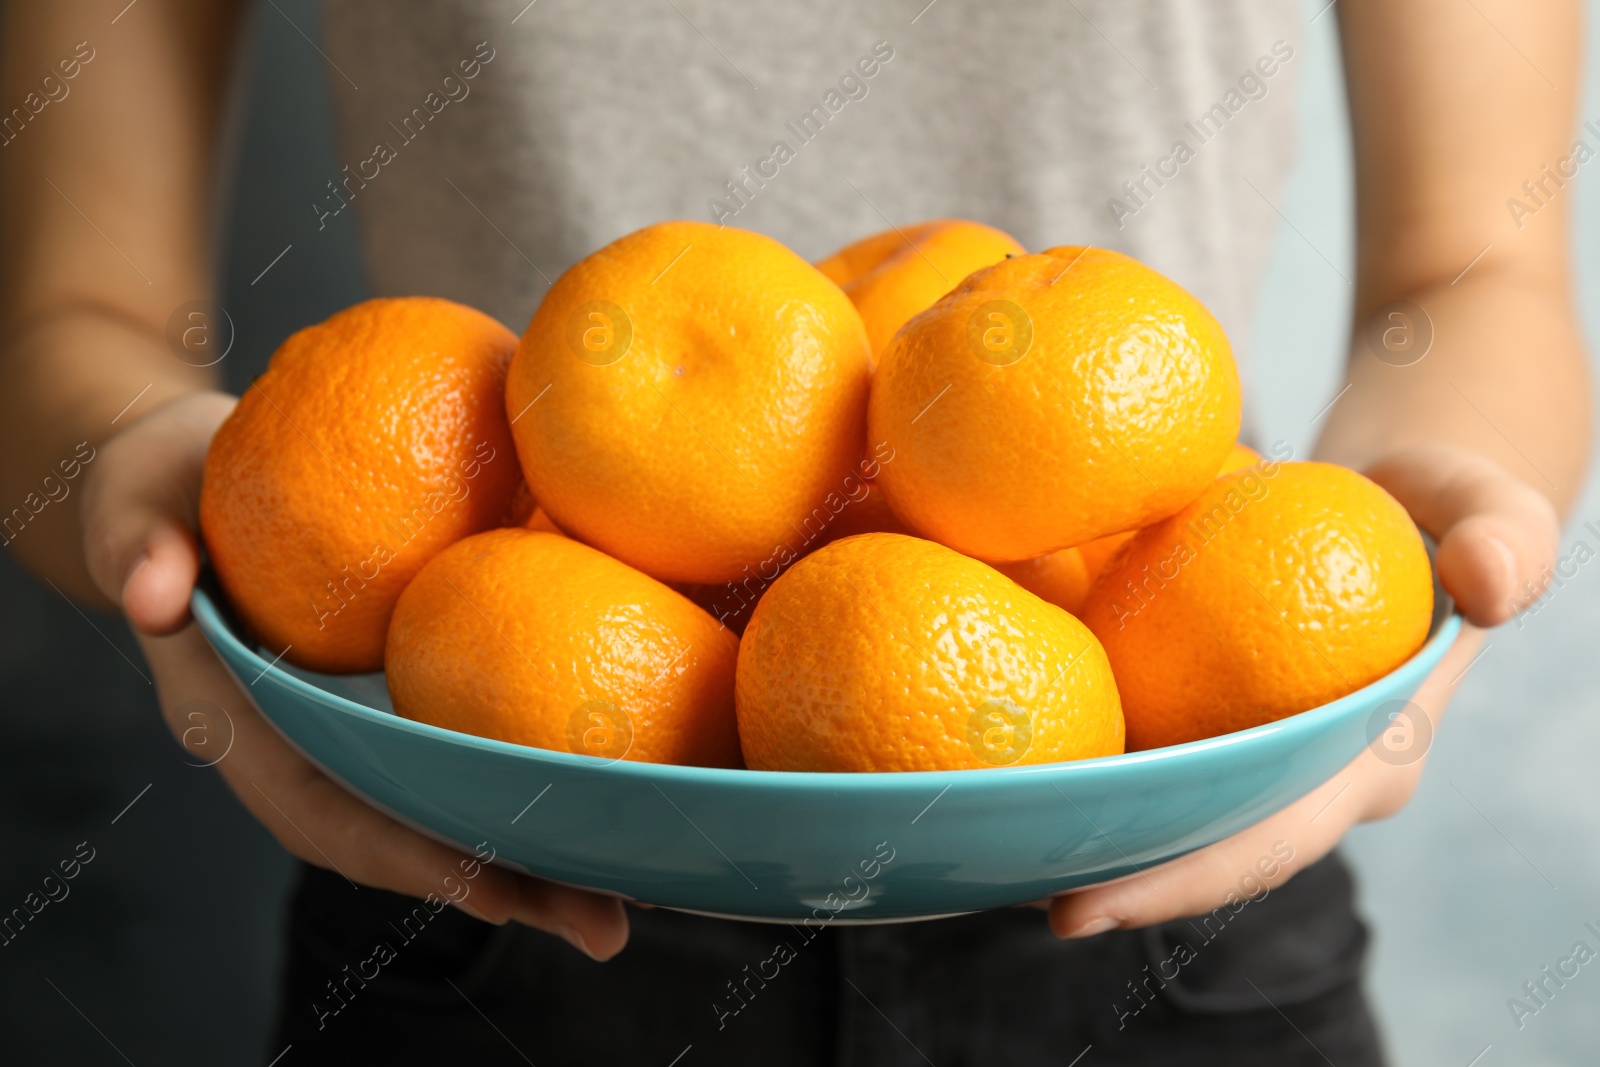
(105, 195)
(1485, 436)
(1454, 119)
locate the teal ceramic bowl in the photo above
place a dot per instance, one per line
(817, 848)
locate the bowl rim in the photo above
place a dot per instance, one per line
(217, 628)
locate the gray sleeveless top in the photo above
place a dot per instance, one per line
(489, 144)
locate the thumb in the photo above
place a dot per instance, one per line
(1497, 535)
(140, 511)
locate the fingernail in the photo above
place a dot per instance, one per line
(1092, 927)
(476, 914)
(571, 936)
(1508, 560)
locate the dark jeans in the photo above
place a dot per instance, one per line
(1276, 982)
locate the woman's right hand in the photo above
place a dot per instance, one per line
(140, 516)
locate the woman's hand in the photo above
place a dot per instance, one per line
(1495, 534)
(139, 516)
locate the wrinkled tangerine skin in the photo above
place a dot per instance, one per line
(894, 274)
(374, 440)
(1284, 586)
(732, 410)
(512, 633)
(875, 652)
(1102, 398)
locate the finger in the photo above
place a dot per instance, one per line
(138, 511)
(595, 924)
(1267, 854)
(1498, 536)
(1432, 697)
(155, 594)
(1240, 867)
(139, 553)
(318, 821)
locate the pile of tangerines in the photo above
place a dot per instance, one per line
(931, 503)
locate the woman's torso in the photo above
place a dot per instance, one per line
(1060, 123)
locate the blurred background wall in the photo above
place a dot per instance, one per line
(169, 941)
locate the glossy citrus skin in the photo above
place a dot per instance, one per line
(1117, 412)
(1283, 587)
(736, 407)
(514, 635)
(374, 440)
(880, 652)
(892, 275)
(1097, 553)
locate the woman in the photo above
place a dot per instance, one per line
(486, 148)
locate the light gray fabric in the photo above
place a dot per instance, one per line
(593, 119)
